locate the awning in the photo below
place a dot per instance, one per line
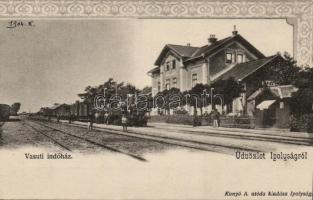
(265, 104)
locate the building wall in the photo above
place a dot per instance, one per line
(217, 62)
(282, 114)
(274, 116)
(195, 69)
(155, 80)
(171, 73)
(206, 72)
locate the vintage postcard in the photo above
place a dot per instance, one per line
(156, 99)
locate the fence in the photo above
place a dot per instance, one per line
(225, 121)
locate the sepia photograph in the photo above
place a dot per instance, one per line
(124, 107)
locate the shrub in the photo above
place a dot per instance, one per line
(309, 123)
(180, 112)
(302, 123)
(231, 122)
(180, 119)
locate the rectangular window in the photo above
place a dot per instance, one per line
(159, 86)
(281, 105)
(167, 84)
(239, 58)
(173, 64)
(174, 82)
(194, 80)
(167, 66)
(229, 58)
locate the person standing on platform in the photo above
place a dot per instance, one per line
(124, 122)
(215, 116)
(91, 121)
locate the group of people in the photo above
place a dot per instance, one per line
(215, 116)
(124, 121)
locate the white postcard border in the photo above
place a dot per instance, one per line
(297, 13)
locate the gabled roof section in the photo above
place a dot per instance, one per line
(188, 53)
(209, 49)
(184, 51)
(243, 70)
(156, 69)
(180, 50)
(281, 91)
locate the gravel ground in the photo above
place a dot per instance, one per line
(19, 134)
(72, 143)
(14, 134)
(132, 145)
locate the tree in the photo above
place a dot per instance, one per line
(169, 99)
(146, 90)
(107, 91)
(88, 96)
(197, 97)
(229, 89)
(283, 71)
(15, 107)
(302, 100)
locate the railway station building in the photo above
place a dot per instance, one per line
(183, 66)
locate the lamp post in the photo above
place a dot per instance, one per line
(221, 100)
(204, 104)
(212, 99)
(104, 89)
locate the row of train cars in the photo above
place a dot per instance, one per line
(81, 111)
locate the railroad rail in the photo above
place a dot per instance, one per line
(48, 136)
(191, 144)
(252, 136)
(80, 138)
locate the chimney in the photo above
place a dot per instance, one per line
(212, 39)
(235, 32)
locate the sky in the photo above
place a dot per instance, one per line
(55, 60)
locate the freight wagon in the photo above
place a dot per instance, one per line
(61, 111)
(74, 111)
(81, 111)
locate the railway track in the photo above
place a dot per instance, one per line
(248, 136)
(191, 144)
(48, 136)
(66, 147)
(204, 146)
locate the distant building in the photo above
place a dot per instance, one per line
(183, 66)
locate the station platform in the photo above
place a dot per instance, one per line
(246, 139)
(261, 131)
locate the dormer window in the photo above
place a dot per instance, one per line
(240, 58)
(229, 58)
